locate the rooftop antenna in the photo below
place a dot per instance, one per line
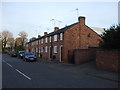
(55, 21)
(77, 12)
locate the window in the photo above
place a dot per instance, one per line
(61, 36)
(46, 49)
(41, 49)
(55, 49)
(32, 50)
(46, 40)
(55, 37)
(38, 42)
(36, 49)
(50, 38)
(32, 43)
(41, 40)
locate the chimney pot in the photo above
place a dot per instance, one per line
(45, 33)
(81, 19)
(39, 36)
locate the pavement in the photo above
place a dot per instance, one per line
(90, 68)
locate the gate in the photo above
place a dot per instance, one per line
(71, 56)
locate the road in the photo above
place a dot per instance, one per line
(20, 74)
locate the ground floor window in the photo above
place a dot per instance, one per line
(46, 49)
(55, 49)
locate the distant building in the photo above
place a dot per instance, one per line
(57, 44)
(98, 30)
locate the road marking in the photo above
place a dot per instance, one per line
(9, 65)
(3, 60)
(17, 70)
(23, 74)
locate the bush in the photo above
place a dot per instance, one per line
(111, 38)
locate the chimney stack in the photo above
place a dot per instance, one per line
(33, 38)
(45, 33)
(39, 36)
(56, 28)
(81, 19)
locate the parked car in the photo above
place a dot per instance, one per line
(9, 52)
(20, 54)
(13, 53)
(28, 56)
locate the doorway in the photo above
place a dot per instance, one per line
(61, 53)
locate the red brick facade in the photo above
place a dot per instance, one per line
(108, 60)
(75, 36)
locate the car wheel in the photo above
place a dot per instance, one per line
(25, 60)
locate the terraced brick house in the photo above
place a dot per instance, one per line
(56, 45)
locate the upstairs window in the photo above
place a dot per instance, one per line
(55, 37)
(41, 40)
(36, 49)
(46, 40)
(61, 36)
(32, 43)
(41, 49)
(50, 39)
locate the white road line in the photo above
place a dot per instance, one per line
(23, 74)
(3, 60)
(9, 65)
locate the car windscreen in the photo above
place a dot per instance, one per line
(29, 54)
(21, 52)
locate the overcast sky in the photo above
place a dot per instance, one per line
(34, 17)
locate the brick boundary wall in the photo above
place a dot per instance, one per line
(79, 56)
(108, 60)
(84, 55)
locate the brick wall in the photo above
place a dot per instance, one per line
(79, 37)
(108, 60)
(84, 55)
(78, 56)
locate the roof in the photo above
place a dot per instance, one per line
(55, 32)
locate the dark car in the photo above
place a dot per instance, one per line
(28, 56)
(20, 54)
(13, 53)
(9, 52)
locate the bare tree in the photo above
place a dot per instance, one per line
(4, 36)
(23, 35)
(11, 43)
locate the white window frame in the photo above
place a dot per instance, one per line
(38, 42)
(46, 40)
(55, 37)
(50, 38)
(55, 49)
(32, 43)
(46, 49)
(61, 36)
(42, 40)
(36, 49)
(41, 49)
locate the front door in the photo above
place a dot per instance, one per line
(61, 53)
(50, 52)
